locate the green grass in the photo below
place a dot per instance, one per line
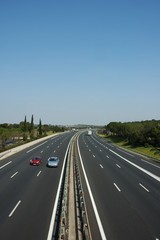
(147, 151)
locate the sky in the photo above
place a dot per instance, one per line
(79, 61)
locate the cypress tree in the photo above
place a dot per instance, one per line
(40, 128)
(32, 128)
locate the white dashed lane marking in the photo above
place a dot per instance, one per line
(143, 187)
(14, 209)
(117, 187)
(14, 174)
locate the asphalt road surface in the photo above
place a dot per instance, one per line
(124, 191)
(27, 193)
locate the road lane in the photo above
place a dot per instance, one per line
(143, 161)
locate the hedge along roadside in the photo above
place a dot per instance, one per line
(12, 151)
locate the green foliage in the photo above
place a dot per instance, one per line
(40, 128)
(144, 133)
(24, 131)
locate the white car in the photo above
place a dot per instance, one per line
(53, 162)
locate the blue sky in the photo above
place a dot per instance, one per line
(71, 62)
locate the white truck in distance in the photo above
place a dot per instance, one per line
(89, 132)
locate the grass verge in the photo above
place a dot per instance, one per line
(148, 151)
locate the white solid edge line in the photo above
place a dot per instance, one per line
(92, 199)
(50, 232)
(150, 163)
(140, 168)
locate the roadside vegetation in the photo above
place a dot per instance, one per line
(142, 137)
(12, 135)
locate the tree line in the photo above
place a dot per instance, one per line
(138, 133)
(24, 131)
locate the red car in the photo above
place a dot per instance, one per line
(36, 161)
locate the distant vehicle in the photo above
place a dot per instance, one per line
(36, 161)
(53, 162)
(89, 132)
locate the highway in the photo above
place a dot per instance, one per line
(27, 193)
(123, 192)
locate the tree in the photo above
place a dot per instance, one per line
(25, 129)
(4, 135)
(32, 128)
(137, 133)
(40, 128)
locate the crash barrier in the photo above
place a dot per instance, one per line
(83, 217)
(71, 217)
(63, 226)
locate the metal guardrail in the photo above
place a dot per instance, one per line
(58, 226)
(82, 209)
(63, 225)
(72, 218)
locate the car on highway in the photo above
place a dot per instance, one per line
(53, 162)
(36, 161)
